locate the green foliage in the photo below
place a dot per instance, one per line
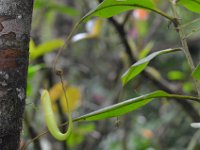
(146, 50)
(188, 87)
(121, 108)
(44, 48)
(128, 105)
(117, 6)
(175, 75)
(32, 69)
(50, 118)
(196, 72)
(109, 8)
(106, 9)
(52, 6)
(79, 134)
(192, 5)
(139, 66)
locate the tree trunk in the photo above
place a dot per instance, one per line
(15, 25)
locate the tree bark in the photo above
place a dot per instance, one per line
(15, 25)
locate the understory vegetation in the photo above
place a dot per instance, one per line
(124, 74)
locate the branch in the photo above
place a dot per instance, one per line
(161, 84)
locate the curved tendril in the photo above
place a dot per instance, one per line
(50, 118)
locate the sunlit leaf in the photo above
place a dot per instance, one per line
(33, 69)
(129, 105)
(94, 30)
(45, 48)
(31, 45)
(109, 8)
(146, 50)
(51, 6)
(175, 75)
(63, 9)
(96, 27)
(39, 4)
(196, 72)
(192, 5)
(73, 94)
(56, 92)
(121, 108)
(74, 98)
(139, 66)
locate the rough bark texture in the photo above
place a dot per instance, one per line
(15, 25)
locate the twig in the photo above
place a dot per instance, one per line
(127, 16)
(32, 132)
(179, 29)
(161, 84)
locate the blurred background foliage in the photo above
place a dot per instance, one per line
(93, 64)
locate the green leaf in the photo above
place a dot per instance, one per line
(109, 8)
(63, 9)
(139, 66)
(33, 69)
(146, 50)
(187, 87)
(175, 75)
(129, 105)
(51, 6)
(192, 5)
(45, 48)
(77, 136)
(196, 72)
(31, 45)
(39, 4)
(121, 108)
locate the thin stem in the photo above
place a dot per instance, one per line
(159, 83)
(66, 44)
(184, 44)
(24, 147)
(190, 23)
(129, 102)
(82, 118)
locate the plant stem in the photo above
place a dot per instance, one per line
(159, 83)
(184, 44)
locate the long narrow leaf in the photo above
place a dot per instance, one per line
(192, 5)
(51, 6)
(45, 48)
(109, 8)
(139, 66)
(129, 105)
